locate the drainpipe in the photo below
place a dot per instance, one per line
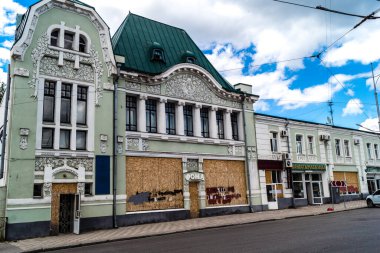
(114, 161)
(3, 144)
(290, 180)
(243, 96)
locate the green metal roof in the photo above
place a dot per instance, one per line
(136, 36)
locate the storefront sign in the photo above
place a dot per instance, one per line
(194, 176)
(308, 166)
(372, 170)
(270, 165)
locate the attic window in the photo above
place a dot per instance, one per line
(158, 54)
(54, 37)
(190, 59)
(82, 44)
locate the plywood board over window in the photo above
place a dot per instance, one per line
(225, 182)
(154, 183)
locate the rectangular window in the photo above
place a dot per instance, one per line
(81, 105)
(68, 40)
(273, 142)
(81, 140)
(204, 123)
(347, 152)
(337, 147)
(49, 101)
(298, 186)
(37, 191)
(151, 116)
(235, 127)
(299, 144)
(188, 120)
(376, 148)
(64, 139)
(369, 150)
(131, 106)
(66, 103)
(170, 118)
(276, 176)
(220, 124)
(88, 189)
(47, 141)
(310, 140)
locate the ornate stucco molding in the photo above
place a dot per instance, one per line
(19, 49)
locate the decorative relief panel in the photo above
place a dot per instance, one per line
(189, 86)
(49, 66)
(137, 144)
(21, 72)
(153, 89)
(192, 165)
(132, 86)
(42, 162)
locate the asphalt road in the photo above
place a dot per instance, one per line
(351, 231)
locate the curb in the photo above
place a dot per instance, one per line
(183, 231)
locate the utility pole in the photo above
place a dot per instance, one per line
(377, 101)
(330, 103)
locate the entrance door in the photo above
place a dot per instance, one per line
(194, 200)
(272, 196)
(371, 186)
(77, 213)
(66, 211)
(317, 195)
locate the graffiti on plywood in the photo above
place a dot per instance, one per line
(155, 196)
(221, 195)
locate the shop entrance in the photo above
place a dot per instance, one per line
(194, 200)
(314, 188)
(274, 187)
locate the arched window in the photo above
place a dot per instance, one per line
(189, 57)
(157, 52)
(54, 37)
(82, 44)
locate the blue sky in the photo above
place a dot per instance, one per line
(250, 41)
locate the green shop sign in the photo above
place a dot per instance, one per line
(372, 170)
(308, 166)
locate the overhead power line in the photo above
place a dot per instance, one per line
(321, 8)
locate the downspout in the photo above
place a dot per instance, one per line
(114, 160)
(290, 180)
(3, 144)
(246, 155)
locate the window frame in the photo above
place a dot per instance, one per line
(131, 109)
(299, 145)
(188, 120)
(85, 139)
(68, 33)
(66, 96)
(61, 139)
(56, 30)
(52, 138)
(205, 122)
(170, 113)
(220, 123)
(338, 148)
(49, 95)
(376, 150)
(235, 126)
(310, 142)
(369, 150)
(347, 148)
(151, 111)
(274, 141)
(80, 97)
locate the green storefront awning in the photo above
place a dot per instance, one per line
(308, 166)
(372, 169)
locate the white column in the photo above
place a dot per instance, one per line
(141, 114)
(73, 138)
(57, 115)
(161, 116)
(240, 126)
(40, 102)
(227, 124)
(212, 123)
(179, 118)
(91, 118)
(61, 38)
(197, 120)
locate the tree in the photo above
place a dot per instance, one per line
(2, 91)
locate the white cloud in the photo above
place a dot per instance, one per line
(8, 12)
(261, 105)
(4, 54)
(7, 44)
(353, 107)
(224, 59)
(370, 124)
(350, 93)
(3, 76)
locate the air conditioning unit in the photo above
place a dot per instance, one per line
(288, 163)
(285, 156)
(284, 133)
(325, 137)
(356, 141)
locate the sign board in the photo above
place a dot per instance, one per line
(194, 176)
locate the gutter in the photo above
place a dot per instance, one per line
(114, 155)
(243, 96)
(5, 122)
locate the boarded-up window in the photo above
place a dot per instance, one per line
(225, 182)
(153, 183)
(351, 182)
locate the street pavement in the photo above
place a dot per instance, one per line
(146, 230)
(351, 231)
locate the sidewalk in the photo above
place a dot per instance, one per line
(71, 240)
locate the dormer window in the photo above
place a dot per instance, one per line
(157, 52)
(54, 37)
(68, 40)
(158, 55)
(82, 44)
(189, 57)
